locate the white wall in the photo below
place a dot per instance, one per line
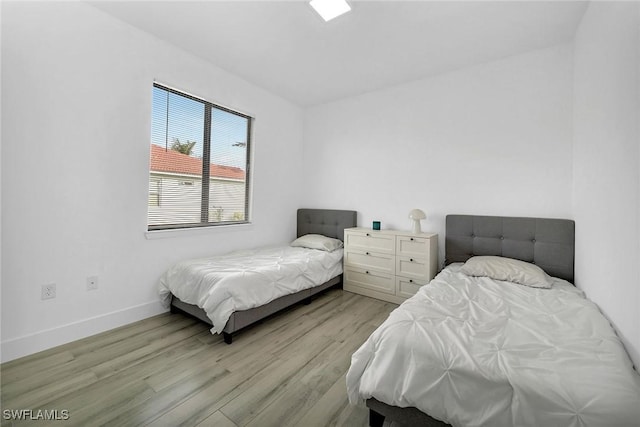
(76, 101)
(606, 182)
(492, 139)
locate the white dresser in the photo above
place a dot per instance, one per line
(388, 264)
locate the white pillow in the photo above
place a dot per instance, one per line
(317, 241)
(507, 269)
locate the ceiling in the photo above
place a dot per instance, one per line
(284, 47)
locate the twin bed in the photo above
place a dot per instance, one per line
(491, 341)
(233, 291)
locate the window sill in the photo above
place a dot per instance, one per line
(195, 231)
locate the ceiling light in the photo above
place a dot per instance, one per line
(329, 9)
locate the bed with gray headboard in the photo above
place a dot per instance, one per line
(327, 222)
(547, 243)
(476, 347)
(535, 344)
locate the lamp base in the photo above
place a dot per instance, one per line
(416, 229)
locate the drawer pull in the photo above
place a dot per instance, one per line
(410, 259)
(412, 239)
(410, 280)
(366, 272)
(367, 253)
(368, 234)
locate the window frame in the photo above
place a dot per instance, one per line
(206, 159)
(156, 192)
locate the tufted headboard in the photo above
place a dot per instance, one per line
(548, 243)
(328, 222)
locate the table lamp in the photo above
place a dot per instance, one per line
(416, 216)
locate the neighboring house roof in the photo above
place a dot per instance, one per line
(172, 161)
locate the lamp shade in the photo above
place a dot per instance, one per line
(416, 216)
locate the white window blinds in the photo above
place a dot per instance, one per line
(199, 168)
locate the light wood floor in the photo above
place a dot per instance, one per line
(169, 370)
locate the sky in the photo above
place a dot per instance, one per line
(186, 122)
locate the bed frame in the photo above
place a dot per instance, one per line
(548, 243)
(328, 222)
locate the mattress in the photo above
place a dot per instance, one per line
(247, 279)
(473, 351)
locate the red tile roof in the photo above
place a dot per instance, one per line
(175, 162)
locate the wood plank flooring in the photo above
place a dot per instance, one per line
(169, 370)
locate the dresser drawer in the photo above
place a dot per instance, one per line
(406, 287)
(412, 246)
(369, 279)
(370, 260)
(413, 268)
(369, 241)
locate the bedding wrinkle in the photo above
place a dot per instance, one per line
(248, 278)
(480, 352)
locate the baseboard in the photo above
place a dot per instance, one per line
(43, 340)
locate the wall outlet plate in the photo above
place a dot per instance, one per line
(48, 291)
(92, 283)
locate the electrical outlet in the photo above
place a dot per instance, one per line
(92, 283)
(48, 291)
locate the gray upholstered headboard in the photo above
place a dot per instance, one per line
(328, 222)
(548, 243)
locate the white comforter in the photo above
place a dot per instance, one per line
(479, 352)
(246, 279)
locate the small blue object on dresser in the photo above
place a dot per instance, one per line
(376, 225)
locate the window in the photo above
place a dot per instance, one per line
(154, 191)
(199, 169)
